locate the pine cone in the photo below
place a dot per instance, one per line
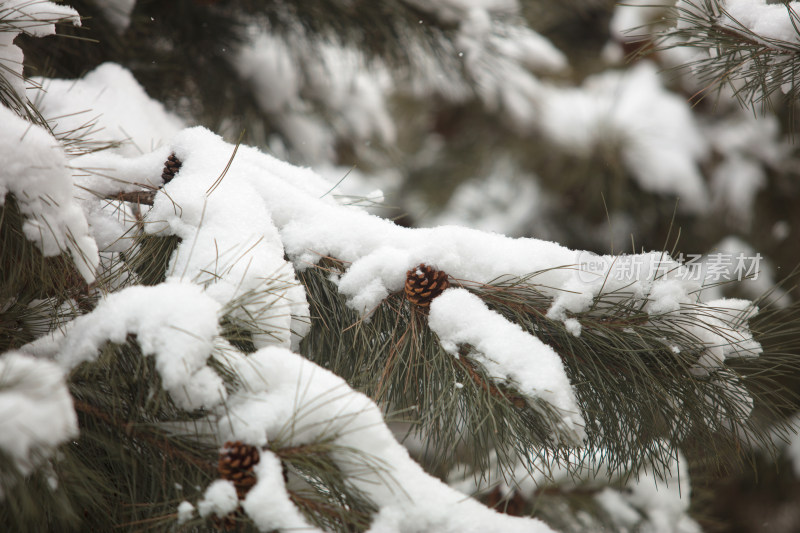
(424, 283)
(236, 461)
(171, 167)
(514, 505)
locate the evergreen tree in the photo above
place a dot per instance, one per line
(198, 335)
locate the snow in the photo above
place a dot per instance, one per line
(723, 334)
(501, 201)
(301, 81)
(509, 354)
(279, 204)
(732, 259)
(479, 34)
(237, 255)
(352, 90)
(232, 252)
(767, 21)
(665, 502)
(240, 247)
(689, 54)
(735, 182)
(654, 130)
(372, 191)
(108, 172)
(113, 223)
(756, 137)
(219, 499)
(106, 105)
(661, 283)
(239, 223)
(306, 404)
(37, 18)
(266, 62)
(175, 322)
(781, 230)
(185, 512)
(648, 502)
(749, 146)
(495, 57)
(573, 326)
(35, 171)
(498, 59)
(268, 503)
(118, 13)
(36, 412)
(281, 208)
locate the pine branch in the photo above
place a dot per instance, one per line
(635, 389)
(397, 360)
(149, 257)
(37, 293)
(136, 197)
(754, 66)
(147, 435)
(126, 466)
(491, 388)
(322, 493)
(633, 373)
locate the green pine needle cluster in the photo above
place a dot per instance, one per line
(636, 392)
(37, 293)
(755, 67)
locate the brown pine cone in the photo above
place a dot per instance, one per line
(236, 461)
(424, 283)
(171, 167)
(515, 505)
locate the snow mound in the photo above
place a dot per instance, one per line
(36, 412)
(107, 105)
(35, 171)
